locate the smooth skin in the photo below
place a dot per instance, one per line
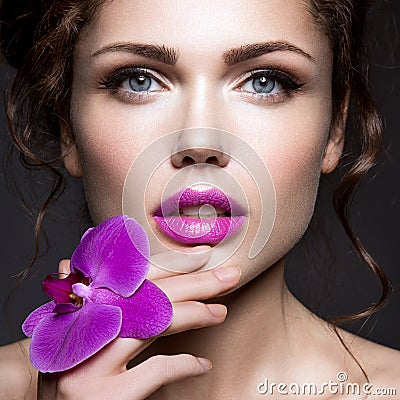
(267, 332)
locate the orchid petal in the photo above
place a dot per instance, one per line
(60, 289)
(61, 341)
(86, 232)
(145, 314)
(36, 316)
(114, 255)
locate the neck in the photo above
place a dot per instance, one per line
(257, 315)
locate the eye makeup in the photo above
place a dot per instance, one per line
(273, 84)
(115, 81)
(268, 84)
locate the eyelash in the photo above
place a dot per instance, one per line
(114, 80)
(289, 84)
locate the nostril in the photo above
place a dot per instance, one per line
(196, 155)
(212, 160)
(187, 160)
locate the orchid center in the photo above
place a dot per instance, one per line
(70, 290)
(80, 292)
(76, 300)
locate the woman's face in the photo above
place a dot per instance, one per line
(283, 112)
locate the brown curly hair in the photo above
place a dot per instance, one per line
(39, 99)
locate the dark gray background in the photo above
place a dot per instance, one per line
(333, 286)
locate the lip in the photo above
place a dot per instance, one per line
(199, 230)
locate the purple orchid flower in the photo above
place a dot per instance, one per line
(106, 295)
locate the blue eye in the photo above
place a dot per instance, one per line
(269, 83)
(131, 80)
(140, 82)
(263, 84)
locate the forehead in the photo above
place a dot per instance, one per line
(201, 27)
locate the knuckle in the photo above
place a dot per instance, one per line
(161, 367)
(156, 364)
(205, 284)
(203, 315)
(191, 363)
(167, 367)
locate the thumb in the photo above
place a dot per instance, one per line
(64, 267)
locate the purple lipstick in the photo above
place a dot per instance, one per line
(199, 216)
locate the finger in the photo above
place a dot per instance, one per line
(201, 285)
(176, 262)
(195, 315)
(64, 267)
(147, 377)
(186, 315)
(114, 357)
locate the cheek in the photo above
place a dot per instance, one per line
(106, 149)
(292, 146)
(296, 166)
(296, 177)
(296, 171)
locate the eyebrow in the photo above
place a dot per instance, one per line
(170, 55)
(164, 54)
(249, 51)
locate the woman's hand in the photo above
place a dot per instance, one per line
(105, 376)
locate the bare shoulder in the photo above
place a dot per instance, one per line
(382, 365)
(18, 377)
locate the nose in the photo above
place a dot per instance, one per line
(199, 155)
(199, 145)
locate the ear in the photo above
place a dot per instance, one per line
(71, 158)
(335, 144)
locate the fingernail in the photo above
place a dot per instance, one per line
(198, 252)
(206, 364)
(198, 249)
(218, 310)
(226, 274)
